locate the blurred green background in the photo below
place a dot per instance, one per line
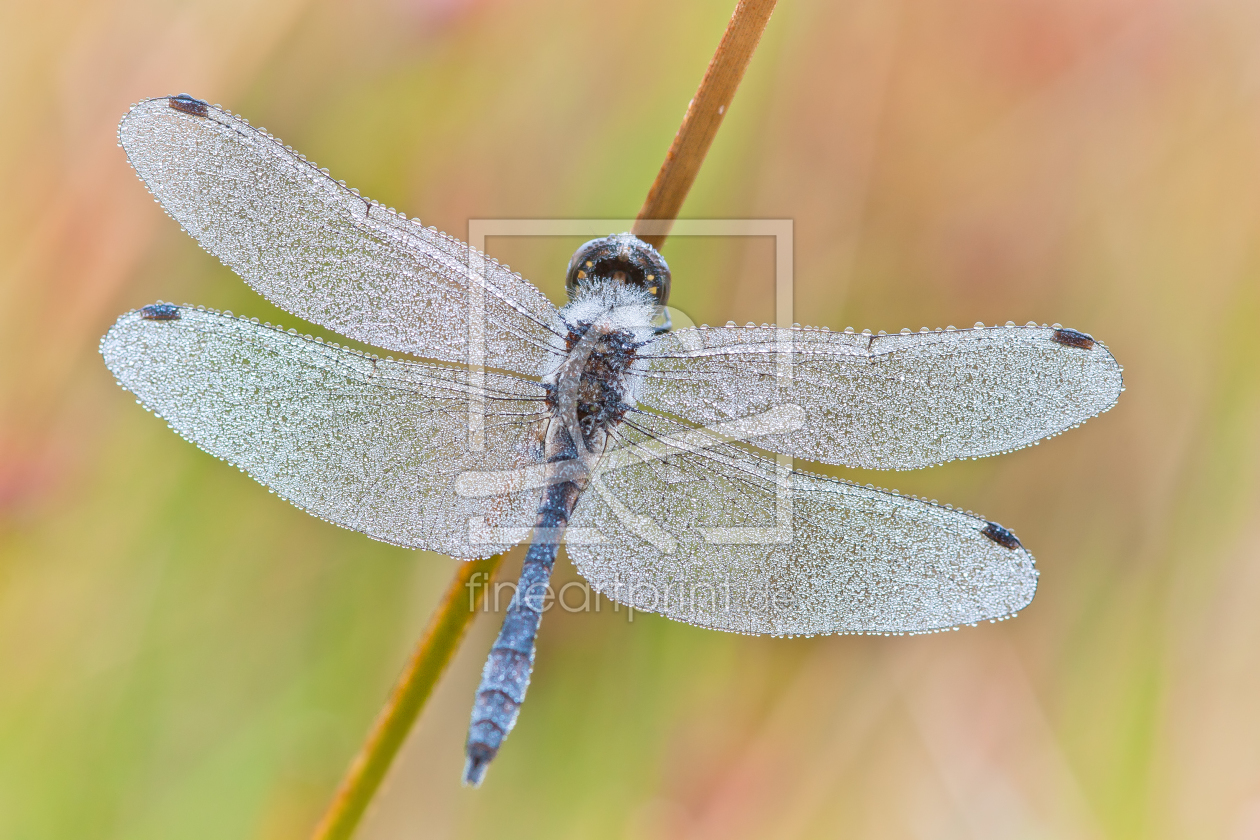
(184, 656)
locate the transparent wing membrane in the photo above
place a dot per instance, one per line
(682, 518)
(327, 254)
(369, 444)
(887, 401)
(753, 547)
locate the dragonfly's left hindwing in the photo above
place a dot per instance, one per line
(369, 444)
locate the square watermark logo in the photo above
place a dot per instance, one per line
(779, 419)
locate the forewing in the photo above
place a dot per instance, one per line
(369, 444)
(325, 253)
(736, 542)
(887, 401)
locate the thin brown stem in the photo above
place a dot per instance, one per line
(700, 123)
(432, 654)
(459, 604)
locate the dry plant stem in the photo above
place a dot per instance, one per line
(453, 615)
(701, 121)
(436, 647)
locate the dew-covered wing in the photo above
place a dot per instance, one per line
(325, 253)
(725, 539)
(369, 444)
(887, 401)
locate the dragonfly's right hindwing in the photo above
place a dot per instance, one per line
(323, 252)
(369, 444)
(726, 539)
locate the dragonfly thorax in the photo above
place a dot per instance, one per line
(596, 380)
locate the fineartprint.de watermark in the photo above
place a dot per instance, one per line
(578, 596)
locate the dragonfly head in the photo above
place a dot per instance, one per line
(620, 258)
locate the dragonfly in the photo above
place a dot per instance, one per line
(663, 459)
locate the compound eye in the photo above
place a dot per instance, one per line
(620, 258)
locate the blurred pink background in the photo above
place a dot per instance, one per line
(182, 655)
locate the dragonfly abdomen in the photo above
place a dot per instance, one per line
(505, 676)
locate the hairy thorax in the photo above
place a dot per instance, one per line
(595, 383)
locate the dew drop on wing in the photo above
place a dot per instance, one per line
(1072, 338)
(160, 312)
(189, 105)
(1001, 536)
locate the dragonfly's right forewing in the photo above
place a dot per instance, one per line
(323, 252)
(369, 444)
(900, 401)
(726, 539)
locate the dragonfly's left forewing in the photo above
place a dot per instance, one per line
(320, 250)
(370, 444)
(722, 538)
(899, 401)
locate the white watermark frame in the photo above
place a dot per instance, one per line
(781, 230)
